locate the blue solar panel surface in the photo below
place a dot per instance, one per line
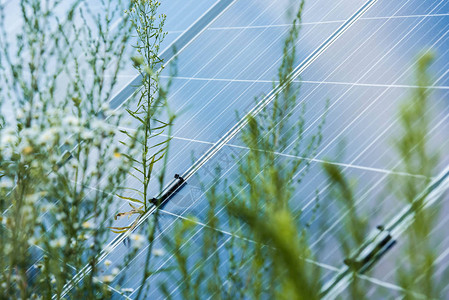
(365, 71)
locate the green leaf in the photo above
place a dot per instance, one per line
(119, 229)
(130, 158)
(135, 116)
(127, 133)
(130, 199)
(131, 189)
(161, 143)
(131, 174)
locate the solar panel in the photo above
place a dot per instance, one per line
(358, 54)
(219, 68)
(191, 69)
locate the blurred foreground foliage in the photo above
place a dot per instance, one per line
(63, 159)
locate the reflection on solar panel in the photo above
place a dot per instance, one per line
(357, 54)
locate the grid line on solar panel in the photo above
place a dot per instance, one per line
(316, 82)
(417, 7)
(340, 164)
(324, 22)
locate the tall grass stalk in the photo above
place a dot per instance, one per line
(418, 275)
(153, 134)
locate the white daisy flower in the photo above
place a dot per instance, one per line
(9, 139)
(108, 249)
(158, 252)
(98, 125)
(87, 225)
(71, 120)
(115, 271)
(138, 240)
(47, 137)
(58, 243)
(107, 278)
(87, 135)
(6, 184)
(20, 114)
(32, 241)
